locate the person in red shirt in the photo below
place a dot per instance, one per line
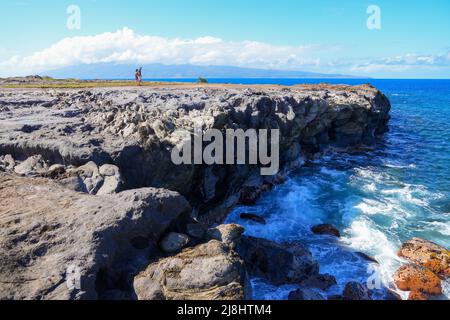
(138, 76)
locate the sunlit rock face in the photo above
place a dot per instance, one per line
(136, 129)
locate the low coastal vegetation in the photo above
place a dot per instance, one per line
(202, 80)
(45, 82)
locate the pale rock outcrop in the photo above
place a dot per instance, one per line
(277, 263)
(210, 271)
(51, 237)
(112, 179)
(90, 175)
(7, 163)
(229, 234)
(32, 166)
(88, 178)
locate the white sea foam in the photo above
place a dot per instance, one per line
(371, 207)
(371, 187)
(441, 227)
(364, 236)
(371, 175)
(331, 172)
(295, 212)
(406, 194)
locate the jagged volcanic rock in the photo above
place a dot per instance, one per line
(135, 129)
(48, 232)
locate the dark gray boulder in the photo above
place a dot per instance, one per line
(277, 263)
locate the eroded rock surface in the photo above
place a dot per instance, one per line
(277, 263)
(210, 271)
(135, 130)
(427, 254)
(48, 232)
(418, 279)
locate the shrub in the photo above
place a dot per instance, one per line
(202, 80)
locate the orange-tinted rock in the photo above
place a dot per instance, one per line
(419, 279)
(428, 255)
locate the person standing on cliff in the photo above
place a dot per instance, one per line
(138, 76)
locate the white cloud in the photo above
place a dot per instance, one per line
(403, 63)
(125, 46)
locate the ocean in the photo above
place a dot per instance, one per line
(378, 199)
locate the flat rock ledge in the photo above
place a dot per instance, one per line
(136, 129)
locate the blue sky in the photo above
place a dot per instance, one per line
(322, 35)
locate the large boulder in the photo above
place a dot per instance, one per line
(428, 255)
(60, 244)
(210, 271)
(278, 263)
(229, 234)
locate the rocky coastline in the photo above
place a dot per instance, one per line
(87, 185)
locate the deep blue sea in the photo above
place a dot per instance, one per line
(378, 199)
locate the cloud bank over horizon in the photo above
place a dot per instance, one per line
(126, 46)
